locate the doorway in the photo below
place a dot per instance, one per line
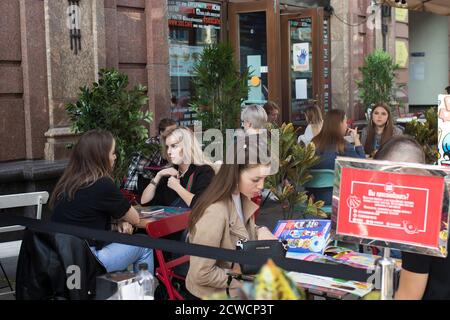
(287, 49)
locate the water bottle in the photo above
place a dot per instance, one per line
(146, 282)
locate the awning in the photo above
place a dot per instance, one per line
(307, 3)
(441, 7)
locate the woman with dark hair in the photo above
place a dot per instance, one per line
(380, 129)
(223, 215)
(86, 196)
(273, 112)
(330, 143)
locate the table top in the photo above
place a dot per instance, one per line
(172, 220)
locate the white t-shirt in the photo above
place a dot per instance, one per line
(238, 205)
(307, 136)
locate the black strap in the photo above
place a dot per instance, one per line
(227, 290)
(236, 256)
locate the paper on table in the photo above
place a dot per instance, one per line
(357, 288)
(301, 89)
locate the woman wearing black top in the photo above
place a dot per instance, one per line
(181, 185)
(86, 196)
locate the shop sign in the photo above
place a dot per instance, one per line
(194, 14)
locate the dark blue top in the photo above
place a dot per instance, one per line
(328, 158)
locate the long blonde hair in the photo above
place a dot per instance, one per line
(192, 151)
(314, 119)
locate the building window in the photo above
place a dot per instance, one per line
(192, 26)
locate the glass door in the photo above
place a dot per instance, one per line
(305, 63)
(192, 27)
(254, 33)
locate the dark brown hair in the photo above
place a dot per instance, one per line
(226, 180)
(88, 162)
(331, 136)
(270, 106)
(388, 130)
(164, 123)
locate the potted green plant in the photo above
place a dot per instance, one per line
(109, 105)
(219, 88)
(426, 134)
(287, 183)
(378, 79)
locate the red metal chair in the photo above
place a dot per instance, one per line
(165, 272)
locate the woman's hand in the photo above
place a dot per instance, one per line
(174, 184)
(265, 234)
(125, 227)
(355, 136)
(166, 172)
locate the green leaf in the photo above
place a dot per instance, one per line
(109, 105)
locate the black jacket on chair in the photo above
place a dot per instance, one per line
(44, 266)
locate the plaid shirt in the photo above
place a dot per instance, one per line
(139, 163)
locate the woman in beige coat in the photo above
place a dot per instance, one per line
(222, 216)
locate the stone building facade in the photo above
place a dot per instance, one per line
(40, 73)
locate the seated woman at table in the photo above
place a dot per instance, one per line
(330, 143)
(86, 196)
(222, 216)
(254, 118)
(314, 118)
(380, 129)
(190, 174)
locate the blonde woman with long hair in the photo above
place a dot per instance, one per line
(315, 121)
(189, 175)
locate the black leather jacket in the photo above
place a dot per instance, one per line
(45, 268)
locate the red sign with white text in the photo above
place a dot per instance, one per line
(393, 207)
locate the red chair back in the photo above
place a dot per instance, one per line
(165, 272)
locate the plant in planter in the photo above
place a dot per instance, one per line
(426, 134)
(219, 88)
(109, 105)
(293, 173)
(378, 79)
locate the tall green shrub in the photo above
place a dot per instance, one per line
(219, 88)
(109, 105)
(378, 79)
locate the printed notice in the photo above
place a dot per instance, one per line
(388, 206)
(301, 89)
